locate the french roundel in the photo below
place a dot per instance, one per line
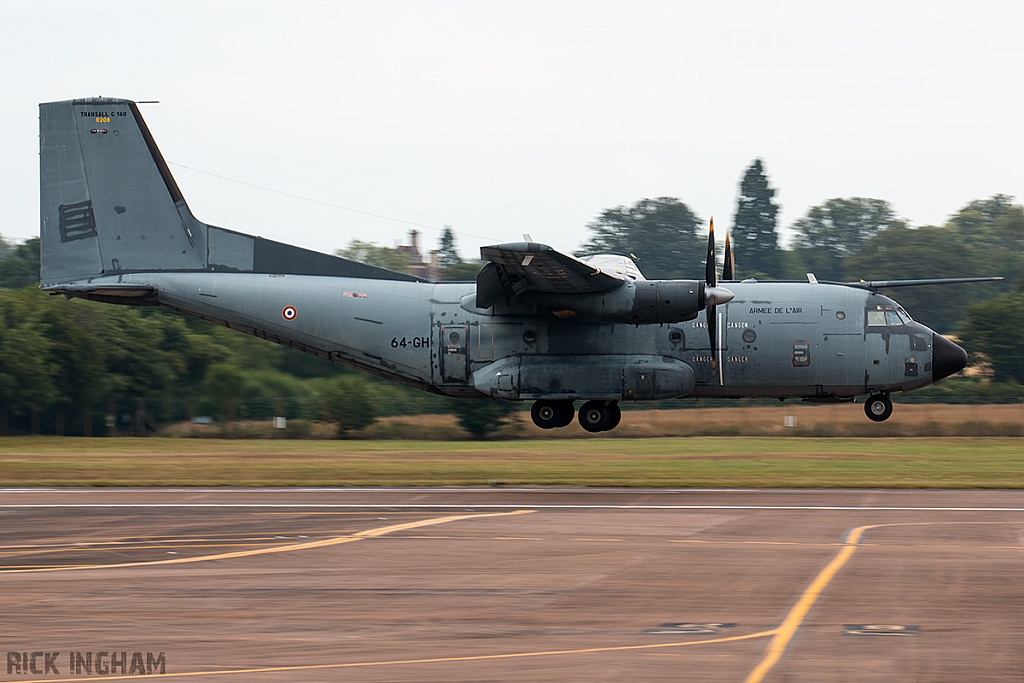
(289, 313)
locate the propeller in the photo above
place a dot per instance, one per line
(713, 294)
(729, 265)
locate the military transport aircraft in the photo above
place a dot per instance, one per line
(536, 325)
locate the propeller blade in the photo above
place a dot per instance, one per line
(710, 287)
(711, 268)
(729, 267)
(715, 295)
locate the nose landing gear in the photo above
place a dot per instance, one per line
(878, 407)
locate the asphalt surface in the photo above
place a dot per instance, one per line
(517, 585)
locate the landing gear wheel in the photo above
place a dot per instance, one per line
(595, 416)
(567, 411)
(878, 408)
(547, 414)
(616, 412)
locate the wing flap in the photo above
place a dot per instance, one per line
(531, 267)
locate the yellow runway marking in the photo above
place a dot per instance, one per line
(433, 537)
(106, 539)
(431, 660)
(792, 622)
(787, 629)
(781, 635)
(364, 514)
(800, 543)
(78, 542)
(170, 548)
(125, 548)
(337, 540)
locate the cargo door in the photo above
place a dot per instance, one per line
(840, 348)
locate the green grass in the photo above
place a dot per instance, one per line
(698, 461)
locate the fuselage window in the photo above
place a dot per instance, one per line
(893, 319)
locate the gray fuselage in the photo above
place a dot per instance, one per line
(775, 339)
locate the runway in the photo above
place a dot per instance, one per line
(503, 584)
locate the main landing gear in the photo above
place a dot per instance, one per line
(600, 416)
(878, 407)
(551, 414)
(594, 416)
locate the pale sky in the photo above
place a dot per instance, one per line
(500, 118)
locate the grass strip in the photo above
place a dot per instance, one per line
(675, 462)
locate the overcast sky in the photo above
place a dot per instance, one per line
(500, 118)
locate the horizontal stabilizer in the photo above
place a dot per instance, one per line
(108, 290)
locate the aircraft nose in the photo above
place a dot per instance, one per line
(947, 357)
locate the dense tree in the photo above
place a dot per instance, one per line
(77, 358)
(992, 330)
(19, 264)
(482, 417)
(994, 225)
(69, 362)
(836, 230)
(977, 221)
(447, 254)
(927, 252)
(754, 236)
(26, 373)
(661, 233)
(224, 386)
(368, 252)
(350, 403)
(462, 272)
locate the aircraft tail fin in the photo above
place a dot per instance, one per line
(109, 206)
(108, 202)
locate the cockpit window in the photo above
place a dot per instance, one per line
(887, 315)
(876, 318)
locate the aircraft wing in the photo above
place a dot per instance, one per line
(520, 267)
(883, 284)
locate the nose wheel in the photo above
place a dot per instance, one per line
(552, 414)
(878, 408)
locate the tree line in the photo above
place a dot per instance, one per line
(70, 366)
(66, 366)
(842, 239)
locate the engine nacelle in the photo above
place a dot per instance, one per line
(638, 302)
